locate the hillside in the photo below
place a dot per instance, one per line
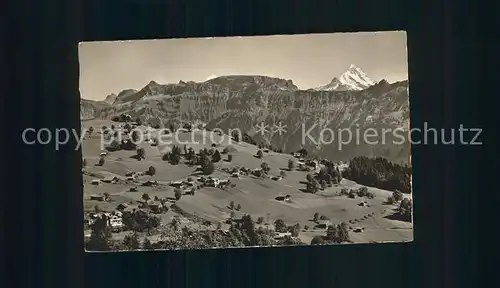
(242, 102)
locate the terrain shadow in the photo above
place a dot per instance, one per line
(303, 182)
(285, 169)
(136, 157)
(396, 216)
(303, 190)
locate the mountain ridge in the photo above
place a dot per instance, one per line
(243, 101)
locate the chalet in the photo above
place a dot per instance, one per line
(282, 235)
(110, 179)
(95, 182)
(122, 207)
(133, 189)
(149, 183)
(280, 198)
(130, 174)
(155, 206)
(103, 154)
(287, 198)
(296, 155)
(235, 175)
(98, 197)
(358, 229)
(177, 183)
(323, 224)
(363, 204)
(130, 178)
(212, 182)
(276, 178)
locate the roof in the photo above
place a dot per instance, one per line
(324, 222)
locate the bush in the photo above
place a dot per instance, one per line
(291, 164)
(231, 205)
(317, 240)
(265, 167)
(229, 158)
(208, 168)
(260, 154)
(101, 161)
(141, 153)
(316, 217)
(151, 170)
(131, 241)
(279, 226)
(216, 156)
(238, 208)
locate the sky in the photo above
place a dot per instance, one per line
(310, 60)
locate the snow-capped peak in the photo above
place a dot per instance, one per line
(353, 79)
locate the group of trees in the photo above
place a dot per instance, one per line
(379, 172)
(404, 210)
(174, 156)
(360, 192)
(334, 234)
(240, 234)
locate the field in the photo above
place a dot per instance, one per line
(256, 196)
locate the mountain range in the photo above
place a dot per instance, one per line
(351, 100)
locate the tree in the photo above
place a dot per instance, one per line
(331, 233)
(141, 153)
(146, 244)
(316, 217)
(216, 156)
(317, 240)
(231, 205)
(229, 158)
(131, 241)
(101, 161)
(282, 174)
(398, 196)
(238, 207)
(146, 197)
(405, 210)
(151, 170)
(295, 230)
(84, 162)
(265, 167)
(260, 154)
(323, 184)
(139, 122)
(291, 164)
(309, 178)
(236, 136)
(279, 226)
(106, 196)
(260, 220)
(91, 130)
(177, 194)
(188, 126)
(135, 136)
(208, 167)
(100, 237)
(172, 128)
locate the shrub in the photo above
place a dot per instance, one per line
(316, 217)
(279, 226)
(291, 164)
(229, 158)
(231, 205)
(238, 207)
(141, 153)
(208, 168)
(101, 161)
(151, 170)
(260, 154)
(216, 156)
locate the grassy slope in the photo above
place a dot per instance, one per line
(256, 196)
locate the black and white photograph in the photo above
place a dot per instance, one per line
(239, 142)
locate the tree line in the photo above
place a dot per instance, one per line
(379, 172)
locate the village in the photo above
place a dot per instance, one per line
(173, 183)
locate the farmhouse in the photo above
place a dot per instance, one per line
(97, 197)
(323, 224)
(110, 179)
(122, 207)
(276, 178)
(282, 235)
(95, 182)
(103, 154)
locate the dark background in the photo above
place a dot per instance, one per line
(45, 242)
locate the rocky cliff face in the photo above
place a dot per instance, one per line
(309, 117)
